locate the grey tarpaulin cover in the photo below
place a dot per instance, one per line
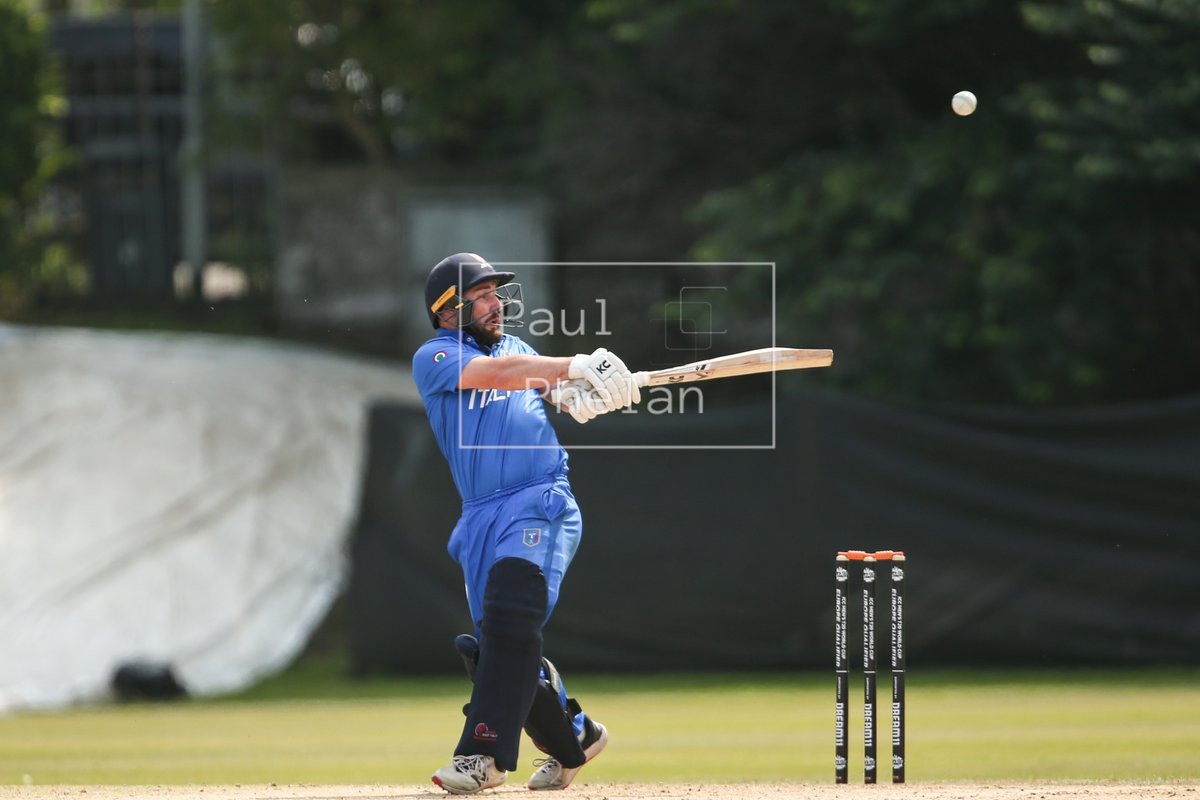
(179, 499)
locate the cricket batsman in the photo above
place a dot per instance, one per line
(486, 394)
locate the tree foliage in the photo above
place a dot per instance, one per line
(27, 155)
(383, 80)
(1042, 251)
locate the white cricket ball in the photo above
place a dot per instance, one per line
(963, 103)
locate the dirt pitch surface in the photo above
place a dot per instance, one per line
(629, 791)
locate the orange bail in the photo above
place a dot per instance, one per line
(856, 555)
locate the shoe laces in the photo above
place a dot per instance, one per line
(475, 766)
(545, 764)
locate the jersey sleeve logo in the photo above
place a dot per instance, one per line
(439, 356)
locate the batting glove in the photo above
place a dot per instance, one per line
(579, 400)
(608, 376)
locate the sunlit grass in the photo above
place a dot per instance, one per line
(312, 725)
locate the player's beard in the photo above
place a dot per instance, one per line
(488, 337)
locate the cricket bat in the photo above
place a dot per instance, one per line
(766, 359)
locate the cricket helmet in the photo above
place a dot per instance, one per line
(452, 277)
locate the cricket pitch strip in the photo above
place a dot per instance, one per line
(629, 791)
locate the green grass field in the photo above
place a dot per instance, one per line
(310, 725)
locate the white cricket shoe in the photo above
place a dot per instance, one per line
(550, 774)
(469, 774)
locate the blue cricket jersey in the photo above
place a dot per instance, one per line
(494, 439)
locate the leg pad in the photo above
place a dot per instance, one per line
(551, 720)
(510, 654)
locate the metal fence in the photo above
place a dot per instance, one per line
(124, 78)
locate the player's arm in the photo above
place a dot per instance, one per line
(517, 372)
(540, 373)
(606, 381)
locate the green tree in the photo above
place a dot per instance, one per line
(380, 80)
(29, 154)
(1042, 251)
